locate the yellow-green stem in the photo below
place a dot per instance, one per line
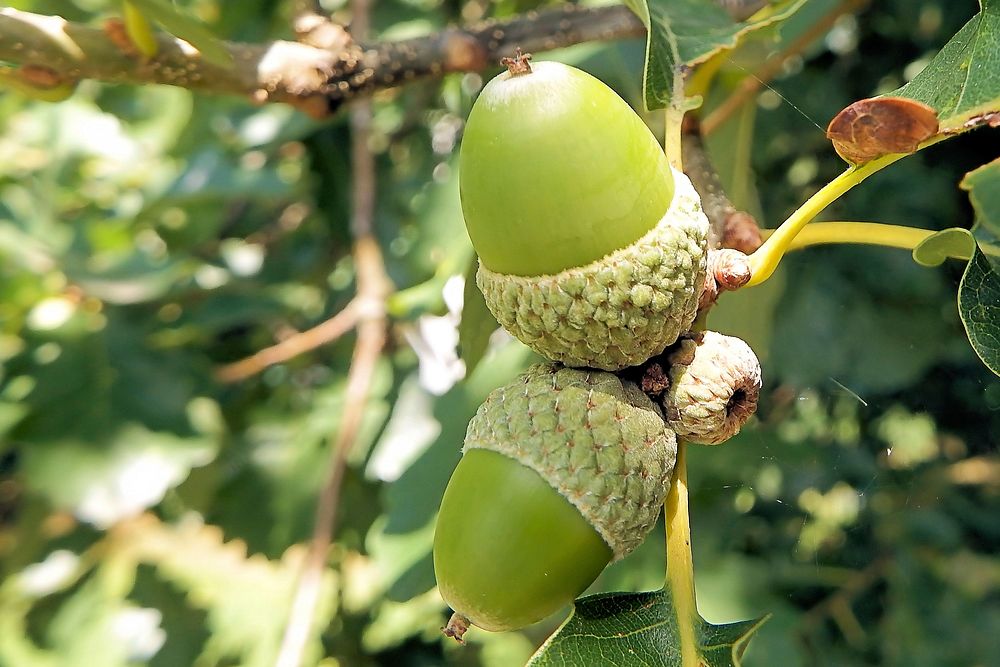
(673, 119)
(865, 233)
(870, 233)
(765, 259)
(680, 565)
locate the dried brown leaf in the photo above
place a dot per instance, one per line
(871, 128)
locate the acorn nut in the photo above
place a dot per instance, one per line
(714, 385)
(563, 470)
(592, 248)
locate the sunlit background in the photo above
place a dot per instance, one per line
(152, 515)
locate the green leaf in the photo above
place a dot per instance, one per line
(136, 278)
(962, 82)
(979, 291)
(954, 242)
(683, 33)
(638, 629)
(979, 307)
(857, 324)
(139, 30)
(189, 29)
(10, 414)
(477, 324)
(983, 185)
(104, 481)
(93, 623)
(247, 597)
(83, 631)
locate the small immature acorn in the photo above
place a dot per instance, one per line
(592, 248)
(563, 470)
(714, 384)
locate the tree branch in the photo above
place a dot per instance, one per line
(731, 228)
(838, 604)
(291, 347)
(316, 80)
(302, 8)
(373, 288)
(314, 27)
(367, 350)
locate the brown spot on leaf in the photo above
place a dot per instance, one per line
(879, 126)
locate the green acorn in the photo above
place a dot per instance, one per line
(592, 249)
(563, 470)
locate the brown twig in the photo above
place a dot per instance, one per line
(751, 85)
(838, 605)
(731, 228)
(299, 343)
(320, 71)
(705, 180)
(370, 342)
(373, 287)
(317, 80)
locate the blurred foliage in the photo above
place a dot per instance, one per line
(150, 515)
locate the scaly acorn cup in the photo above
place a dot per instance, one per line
(714, 385)
(592, 249)
(563, 470)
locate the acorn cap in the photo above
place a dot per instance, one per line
(714, 385)
(596, 439)
(619, 310)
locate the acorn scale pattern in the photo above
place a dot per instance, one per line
(715, 381)
(617, 311)
(598, 440)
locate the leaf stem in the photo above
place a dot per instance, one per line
(680, 564)
(765, 259)
(673, 120)
(864, 233)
